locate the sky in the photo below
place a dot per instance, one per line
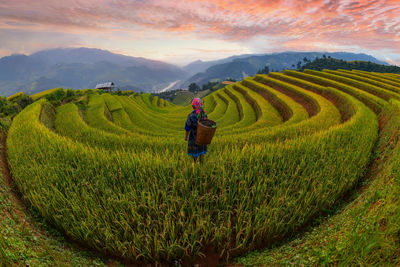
(181, 31)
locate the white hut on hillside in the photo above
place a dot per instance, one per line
(105, 86)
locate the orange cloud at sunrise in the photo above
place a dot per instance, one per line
(184, 30)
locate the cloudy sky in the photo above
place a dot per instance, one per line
(180, 31)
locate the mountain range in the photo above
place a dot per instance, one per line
(83, 68)
(79, 68)
(247, 65)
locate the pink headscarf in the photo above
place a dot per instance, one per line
(197, 103)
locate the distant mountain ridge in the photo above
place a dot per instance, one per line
(240, 66)
(92, 55)
(79, 68)
(200, 66)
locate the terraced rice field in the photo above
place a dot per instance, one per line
(115, 176)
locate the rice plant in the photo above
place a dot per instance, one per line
(116, 177)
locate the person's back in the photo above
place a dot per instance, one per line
(198, 113)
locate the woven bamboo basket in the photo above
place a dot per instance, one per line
(205, 132)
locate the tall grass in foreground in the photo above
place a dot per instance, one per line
(149, 206)
(366, 231)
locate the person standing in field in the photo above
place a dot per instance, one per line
(198, 113)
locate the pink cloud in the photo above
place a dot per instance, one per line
(299, 24)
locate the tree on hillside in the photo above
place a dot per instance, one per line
(306, 60)
(11, 106)
(209, 85)
(265, 70)
(334, 64)
(24, 101)
(193, 87)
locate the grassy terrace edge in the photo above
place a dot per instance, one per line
(365, 230)
(359, 117)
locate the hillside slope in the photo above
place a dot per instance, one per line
(248, 65)
(83, 68)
